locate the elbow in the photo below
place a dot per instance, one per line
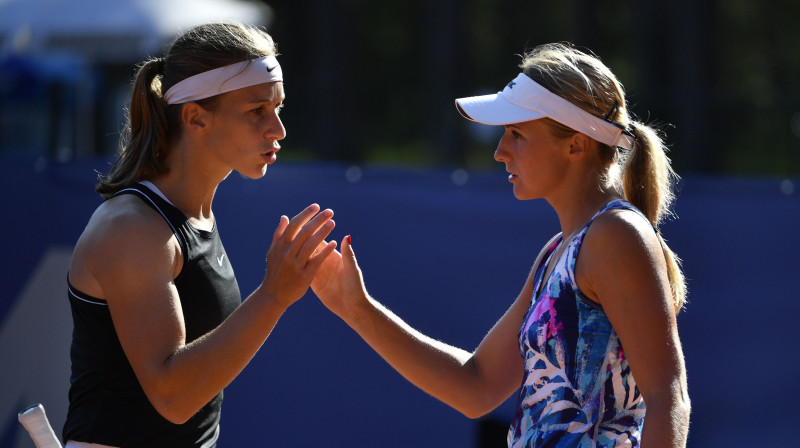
(474, 413)
(176, 417)
(173, 412)
(172, 393)
(478, 407)
(169, 405)
(480, 399)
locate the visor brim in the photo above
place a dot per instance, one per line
(494, 110)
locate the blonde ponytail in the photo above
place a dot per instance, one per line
(648, 182)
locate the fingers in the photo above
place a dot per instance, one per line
(321, 247)
(347, 249)
(307, 229)
(313, 233)
(348, 256)
(320, 256)
(297, 223)
(280, 229)
(324, 264)
(303, 237)
(308, 226)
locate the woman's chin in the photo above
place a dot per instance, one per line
(255, 173)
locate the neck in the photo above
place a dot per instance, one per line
(189, 184)
(576, 209)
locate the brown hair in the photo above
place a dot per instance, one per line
(644, 174)
(151, 124)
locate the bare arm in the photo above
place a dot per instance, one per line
(622, 267)
(137, 283)
(472, 383)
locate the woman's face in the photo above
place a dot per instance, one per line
(535, 159)
(246, 128)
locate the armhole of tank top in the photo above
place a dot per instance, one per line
(617, 204)
(152, 203)
(82, 296)
(573, 279)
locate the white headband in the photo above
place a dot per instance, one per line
(524, 100)
(225, 79)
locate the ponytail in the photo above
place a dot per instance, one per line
(648, 181)
(143, 141)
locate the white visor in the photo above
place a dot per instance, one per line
(225, 79)
(523, 99)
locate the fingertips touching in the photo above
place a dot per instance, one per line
(312, 244)
(301, 220)
(320, 255)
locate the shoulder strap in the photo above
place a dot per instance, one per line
(577, 242)
(174, 217)
(542, 261)
(615, 205)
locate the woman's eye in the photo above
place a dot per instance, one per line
(516, 134)
(258, 110)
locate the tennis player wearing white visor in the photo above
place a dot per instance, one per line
(606, 281)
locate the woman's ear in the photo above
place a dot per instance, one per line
(195, 117)
(579, 145)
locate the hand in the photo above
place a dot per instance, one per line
(298, 250)
(339, 283)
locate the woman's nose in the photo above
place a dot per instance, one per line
(500, 153)
(276, 130)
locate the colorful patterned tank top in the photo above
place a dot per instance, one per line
(577, 390)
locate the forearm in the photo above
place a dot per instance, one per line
(198, 371)
(443, 371)
(666, 423)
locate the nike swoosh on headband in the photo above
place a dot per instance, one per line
(225, 79)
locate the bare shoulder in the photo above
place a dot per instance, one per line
(620, 248)
(126, 222)
(621, 232)
(122, 229)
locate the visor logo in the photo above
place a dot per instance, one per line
(511, 85)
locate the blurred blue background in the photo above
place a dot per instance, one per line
(373, 134)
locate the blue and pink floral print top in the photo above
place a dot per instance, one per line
(577, 390)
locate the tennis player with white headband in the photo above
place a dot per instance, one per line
(160, 326)
(225, 79)
(605, 282)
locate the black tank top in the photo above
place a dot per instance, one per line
(106, 403)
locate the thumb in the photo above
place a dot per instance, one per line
(348, 256)
(351, 266)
